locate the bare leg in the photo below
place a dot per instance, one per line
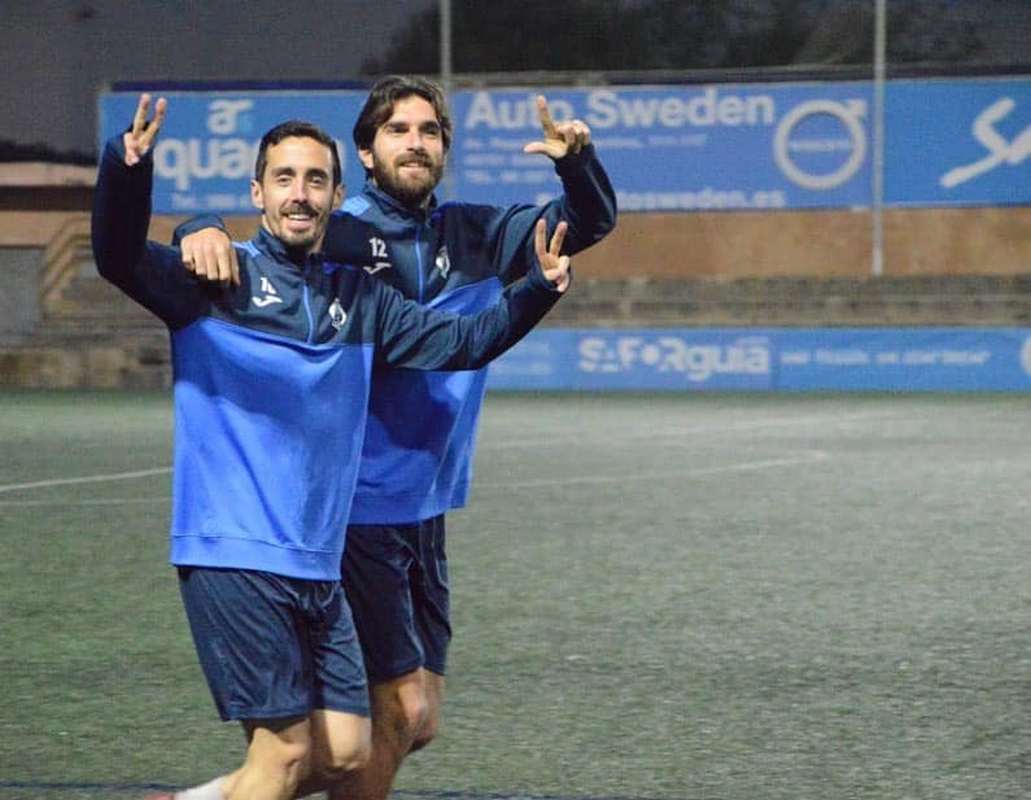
(341, 744)
(337, 743)
(277, 759)
(405, 716)
(434, 685)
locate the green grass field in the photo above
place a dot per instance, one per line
(716, 597)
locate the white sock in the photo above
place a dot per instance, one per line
(212, 790)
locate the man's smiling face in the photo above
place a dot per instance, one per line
(407, 155)
(296, 193)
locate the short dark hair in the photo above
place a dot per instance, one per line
(379, 105)
(301, 129)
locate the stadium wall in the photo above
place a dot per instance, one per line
(731, 245)
(801, 269)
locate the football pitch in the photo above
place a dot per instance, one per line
(655, 597)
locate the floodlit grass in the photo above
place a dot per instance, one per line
(665, 597)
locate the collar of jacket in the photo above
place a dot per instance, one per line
(389, 204)
(273, 246)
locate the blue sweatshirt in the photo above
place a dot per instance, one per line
(417, 456)
(271, 379)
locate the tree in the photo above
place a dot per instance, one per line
(613, 35)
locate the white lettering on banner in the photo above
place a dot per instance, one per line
(849, 357)
(607, 109)
(501, 112)
(999, 150)
(849, 114)
(183, 160)
(223, 115)
(965, 358)
(707, 198)
(697, 362)
(854, 357)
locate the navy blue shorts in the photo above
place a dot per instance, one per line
(395, 577)
(273, 647)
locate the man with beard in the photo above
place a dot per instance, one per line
(417, 455)
(271, 382)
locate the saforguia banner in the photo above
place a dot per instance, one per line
(768, 359)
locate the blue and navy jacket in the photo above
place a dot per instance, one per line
(417, 456)
(271, 379)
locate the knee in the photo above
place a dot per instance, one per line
(294, 760)
(288, 760)
(344, 753)
(427, 731)
(410, 714)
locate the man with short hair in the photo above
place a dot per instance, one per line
(271, 381)
(417, 456)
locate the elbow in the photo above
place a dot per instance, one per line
(103, 260)
(478, 360)
(481, 359)
(108, 266)
(607, 222)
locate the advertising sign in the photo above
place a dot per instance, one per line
(958, 142)
(678, 148)
(204, 157)
(666, 148)
(769, 359)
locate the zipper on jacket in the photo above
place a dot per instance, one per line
(418, 260)
(307, 304)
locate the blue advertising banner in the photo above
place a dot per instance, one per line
(768, 359)
(204, 157)
(666, 148)
(757, 146)
(958, 142)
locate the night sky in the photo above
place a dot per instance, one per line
(56, 55)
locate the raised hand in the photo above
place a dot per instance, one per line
(139, 140)
(554, 266)
(560, 140)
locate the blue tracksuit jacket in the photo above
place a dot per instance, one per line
(271, 379)
(417, 456)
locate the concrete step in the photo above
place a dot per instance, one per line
(96, 337)
(92, 367)
(967, 300)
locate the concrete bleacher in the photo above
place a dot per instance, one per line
(930, 300)
(87, 334)
(61, 325)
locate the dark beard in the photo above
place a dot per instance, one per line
(407, 195)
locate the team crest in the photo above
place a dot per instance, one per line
(337, 315)
(443, 263)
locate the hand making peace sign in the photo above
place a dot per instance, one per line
(554, 265)
(139, 140)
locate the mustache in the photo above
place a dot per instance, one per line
(299, 208)
(419, 159)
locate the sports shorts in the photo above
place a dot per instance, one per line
(395, 578)
(273, 647)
